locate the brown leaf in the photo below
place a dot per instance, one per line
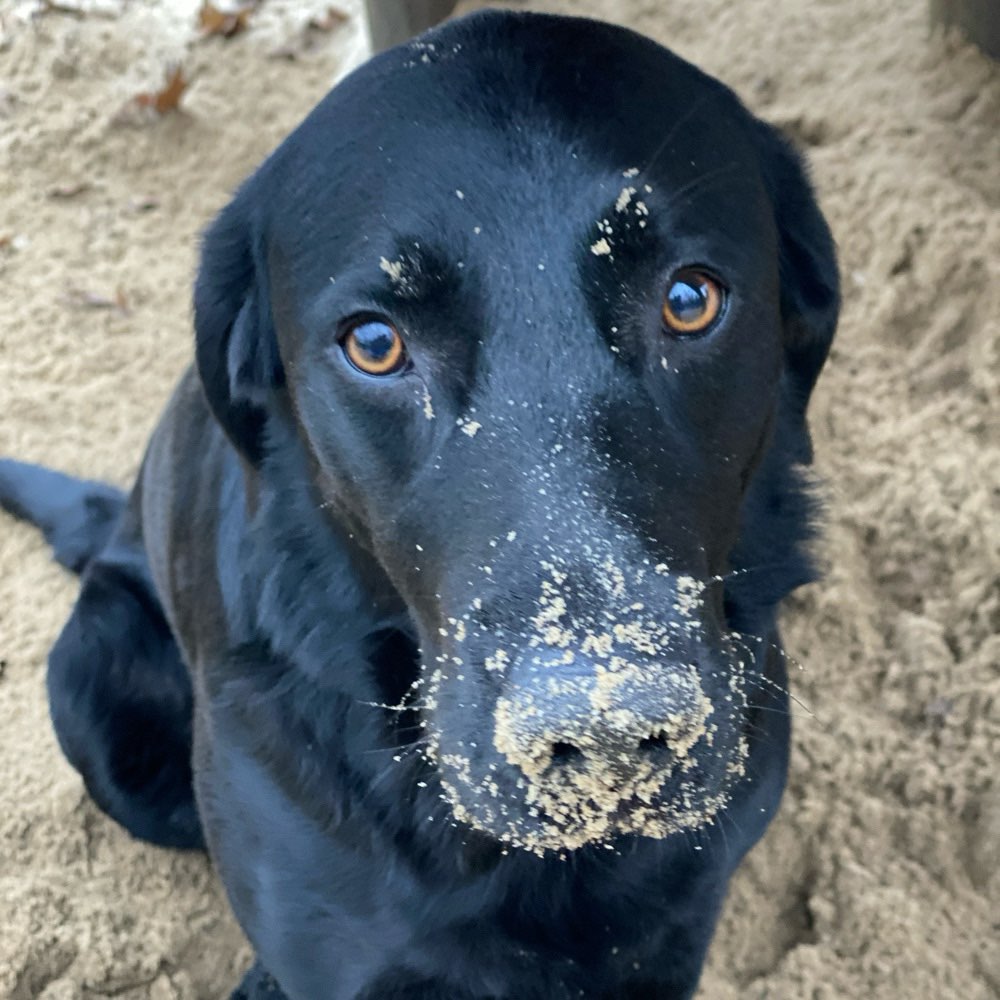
(213, 21)
(333, 18)
(81, 10)
(83, 299)
(53, 7)
(70, 189)
(168, 97)
(306, 36)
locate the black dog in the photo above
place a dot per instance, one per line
(470, 526)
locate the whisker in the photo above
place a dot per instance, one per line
(798, 701)
(697, 183)
(413, 749)
(675, 128)
(766, 708)
(402, 748)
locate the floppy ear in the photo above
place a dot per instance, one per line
(810, 287)
(236, 349)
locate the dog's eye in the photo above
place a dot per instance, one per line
(374, 347)
(693, 302)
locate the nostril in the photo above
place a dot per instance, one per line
(565, 753)
(658, 741)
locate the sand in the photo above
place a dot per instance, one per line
(881, 877)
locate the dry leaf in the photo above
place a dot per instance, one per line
(333, 18)
(83, 8)
(68, 190)
(83, 299)
(306, 40)
(52, 7)
(14, 241)
(213, 21)
(168, 97)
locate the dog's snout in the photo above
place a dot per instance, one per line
(568, 714)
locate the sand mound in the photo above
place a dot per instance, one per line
(881, 878)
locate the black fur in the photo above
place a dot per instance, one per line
(337, 559)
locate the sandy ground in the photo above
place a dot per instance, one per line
(881, 877)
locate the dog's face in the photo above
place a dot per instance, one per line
(535, 293)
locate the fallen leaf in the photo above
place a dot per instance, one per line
(213, 21)
(52, 7)
(80, 298)
(333, 18)
(111, 9)
(305, 39)
(68, 190)
(168, 97)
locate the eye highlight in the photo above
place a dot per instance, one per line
(693, 302)
(374, 347)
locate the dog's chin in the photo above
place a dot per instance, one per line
(577, 807)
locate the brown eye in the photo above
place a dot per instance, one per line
(374, 347)
(693, 302)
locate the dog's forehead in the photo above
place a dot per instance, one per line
(537, 119)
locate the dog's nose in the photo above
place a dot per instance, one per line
(565, 714)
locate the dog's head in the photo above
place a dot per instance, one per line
(544, 304)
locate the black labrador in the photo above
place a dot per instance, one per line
(443, 608)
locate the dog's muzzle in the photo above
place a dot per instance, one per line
(595, 724)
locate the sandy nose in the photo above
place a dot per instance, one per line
(611, 720)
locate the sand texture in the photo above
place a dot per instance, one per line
(880, 880)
